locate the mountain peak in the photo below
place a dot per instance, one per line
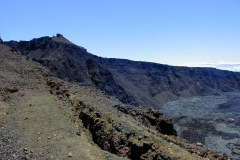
(60, 38)
(59, 35)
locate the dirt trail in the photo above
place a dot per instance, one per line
(41, 125)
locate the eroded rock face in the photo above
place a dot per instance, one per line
(58, 89)
(116, 136)
(119, 130)
(104, 80)
(150, 117)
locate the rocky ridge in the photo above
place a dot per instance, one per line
(132, 82)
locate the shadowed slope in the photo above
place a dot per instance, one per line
(137, 83)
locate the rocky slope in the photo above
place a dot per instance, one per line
(156, 83)
(71, 63)
(43, 117)
(136, 83)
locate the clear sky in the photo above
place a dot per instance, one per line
(174, 32)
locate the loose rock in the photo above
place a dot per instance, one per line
(70, 154)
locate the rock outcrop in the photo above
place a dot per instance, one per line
(150, 117)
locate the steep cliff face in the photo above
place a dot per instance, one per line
(104, 80)
(132, 82)
(157, 83)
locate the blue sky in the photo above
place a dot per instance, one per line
(174, 32)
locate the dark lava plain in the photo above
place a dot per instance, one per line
(212, 120)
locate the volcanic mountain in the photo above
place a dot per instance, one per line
(132, 82)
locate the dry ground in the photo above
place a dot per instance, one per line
(39, 120)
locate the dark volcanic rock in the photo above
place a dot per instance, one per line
(150, 117)
(156, 83)
(104, 80)
(211, 120)
(59, 35)
(72, 63)
(232, 103)
(138, 83)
